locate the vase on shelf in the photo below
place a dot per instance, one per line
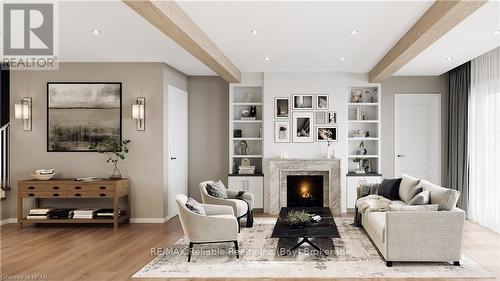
(116, 172)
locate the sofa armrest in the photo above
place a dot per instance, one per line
(211, 228)
(247, 195)
(424, 235)
(212, 210)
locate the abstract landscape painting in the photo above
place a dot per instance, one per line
(80, 114)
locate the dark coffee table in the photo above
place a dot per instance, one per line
(325, 229)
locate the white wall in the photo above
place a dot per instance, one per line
(285, 84)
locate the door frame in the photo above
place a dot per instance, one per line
(439, 138)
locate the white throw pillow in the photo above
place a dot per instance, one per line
(407, 188)
(445, 197)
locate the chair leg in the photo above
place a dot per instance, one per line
(190, 251)
(239, 227)
(388, 263)
(237, 249)
(456, 263)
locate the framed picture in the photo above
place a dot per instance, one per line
(282, 131)
(282, 108)
(326, 133)
(302, 127)
(303, 102)
(82, 113)
(332, 117)
(321, 118)
(322, 102)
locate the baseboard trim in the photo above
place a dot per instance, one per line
(147, 220)
(7, 221)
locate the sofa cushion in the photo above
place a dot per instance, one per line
(376, 221)
(241, 206)
(195, 207)
(445, 197)
(217, 189)
(389, 188)
(422, 198)
(411, 208)
(408, 187)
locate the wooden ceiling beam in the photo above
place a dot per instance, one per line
(170, 19)
(440, 18)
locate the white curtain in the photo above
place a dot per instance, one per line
(484, 140)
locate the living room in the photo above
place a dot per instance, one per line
(337, 140)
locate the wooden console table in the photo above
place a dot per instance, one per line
(69, 188)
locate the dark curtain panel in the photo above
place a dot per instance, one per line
(458, 162)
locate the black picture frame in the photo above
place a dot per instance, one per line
(81, 83)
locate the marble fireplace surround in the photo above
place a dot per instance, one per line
(278, 170)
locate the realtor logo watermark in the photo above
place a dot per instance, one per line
(29, 36)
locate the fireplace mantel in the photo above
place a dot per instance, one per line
(277, 168)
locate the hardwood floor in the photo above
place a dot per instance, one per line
(95, 252)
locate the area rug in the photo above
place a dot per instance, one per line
(354, 257)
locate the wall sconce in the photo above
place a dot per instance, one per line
(139, 113)
(23, 111)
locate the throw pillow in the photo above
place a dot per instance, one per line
(195, 207)
(445, 197)
(422, 198)
(407, 187)
(410, 208)
(217, 189)
(389, 188)
(368, 188)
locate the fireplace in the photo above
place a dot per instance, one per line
(304, 191)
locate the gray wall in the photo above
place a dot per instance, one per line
(144, 164)
(208, 131)
(411, 85)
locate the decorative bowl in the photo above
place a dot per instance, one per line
(42, 177)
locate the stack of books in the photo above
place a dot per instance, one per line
(60, 213)
(84, 213)
(246, 170)
(39, 213)
(107, 213)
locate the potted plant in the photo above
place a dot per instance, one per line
(115, 150)
(298, 218)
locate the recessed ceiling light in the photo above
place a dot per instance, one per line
(267, 58)
(342, 59)
(96, 31)
(254, 31)
(496, 32)
(354, 32)
(450, 58)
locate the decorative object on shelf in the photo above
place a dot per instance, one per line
(359, 113)
(327, 134)
(302, 122)
(79, 114)
(303, 102)
(235, 167)
(139, 113)
(322, 102)
(282, 131)
(356, 95)
(359, 166)
(371, 94)
(298, 217)
(321, 118)
(22, 111)
(245, 162)
(237, 133)
(282, 108)
(246, 168)
(249, 97)
(332, 117)
(245, 113)
(360, 134)
(366, 166)
(253, 111)
(243, 148)
(115, 151)
(43, 174)
(361, 148)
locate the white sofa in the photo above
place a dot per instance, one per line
(418, 236)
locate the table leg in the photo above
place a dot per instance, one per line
(19, 211)
(116, 205)
(306, 240)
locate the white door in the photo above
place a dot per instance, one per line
(177, 156)
(418, 136)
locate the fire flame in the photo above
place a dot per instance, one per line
(304, 191)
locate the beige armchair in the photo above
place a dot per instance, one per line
(240, 207)
(219, 225)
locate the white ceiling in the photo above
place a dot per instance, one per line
(297, 36)
(471, 38)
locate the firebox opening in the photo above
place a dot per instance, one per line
(304, 191)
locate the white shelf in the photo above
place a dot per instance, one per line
(363, 156)
(247, 156)
(256, 139)
(247, 121)
(363, 104)
(247, 103)
(362, 121)
(363, 139)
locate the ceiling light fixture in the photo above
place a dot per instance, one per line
(449, 58)
(496, 32)
(96, 31)
(254, 31)
(354, 32)
(342, 59)
(267, 58)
